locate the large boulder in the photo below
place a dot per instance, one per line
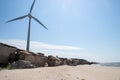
(40, 54)
(75, 62)
(82, 62)
(19, 55)
(63, 61)
(66, 61)
(37, 60)
(12, 57)
(53, 61)
(69, 62)
(5, 51)
(22, 64)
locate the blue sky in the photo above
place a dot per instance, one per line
(84, 28)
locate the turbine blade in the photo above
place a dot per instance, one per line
(39, 22)
(32, 6)
(17, 18)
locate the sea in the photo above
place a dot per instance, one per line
(111, 64)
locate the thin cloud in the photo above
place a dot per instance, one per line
(36, 46)
(51, 49)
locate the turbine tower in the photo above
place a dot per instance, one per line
(29, 25)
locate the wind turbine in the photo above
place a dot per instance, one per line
(29, 25)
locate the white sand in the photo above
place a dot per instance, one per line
(84, 72)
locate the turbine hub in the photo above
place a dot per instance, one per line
(29, 15)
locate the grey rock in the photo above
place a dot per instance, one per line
(53, 61)
(40, 54)
(22, 64)
(5, 51)
(37, 60)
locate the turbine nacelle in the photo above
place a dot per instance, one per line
(29, 15)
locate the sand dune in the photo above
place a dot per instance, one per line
(82, 72)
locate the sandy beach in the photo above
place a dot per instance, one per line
(81, 72)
